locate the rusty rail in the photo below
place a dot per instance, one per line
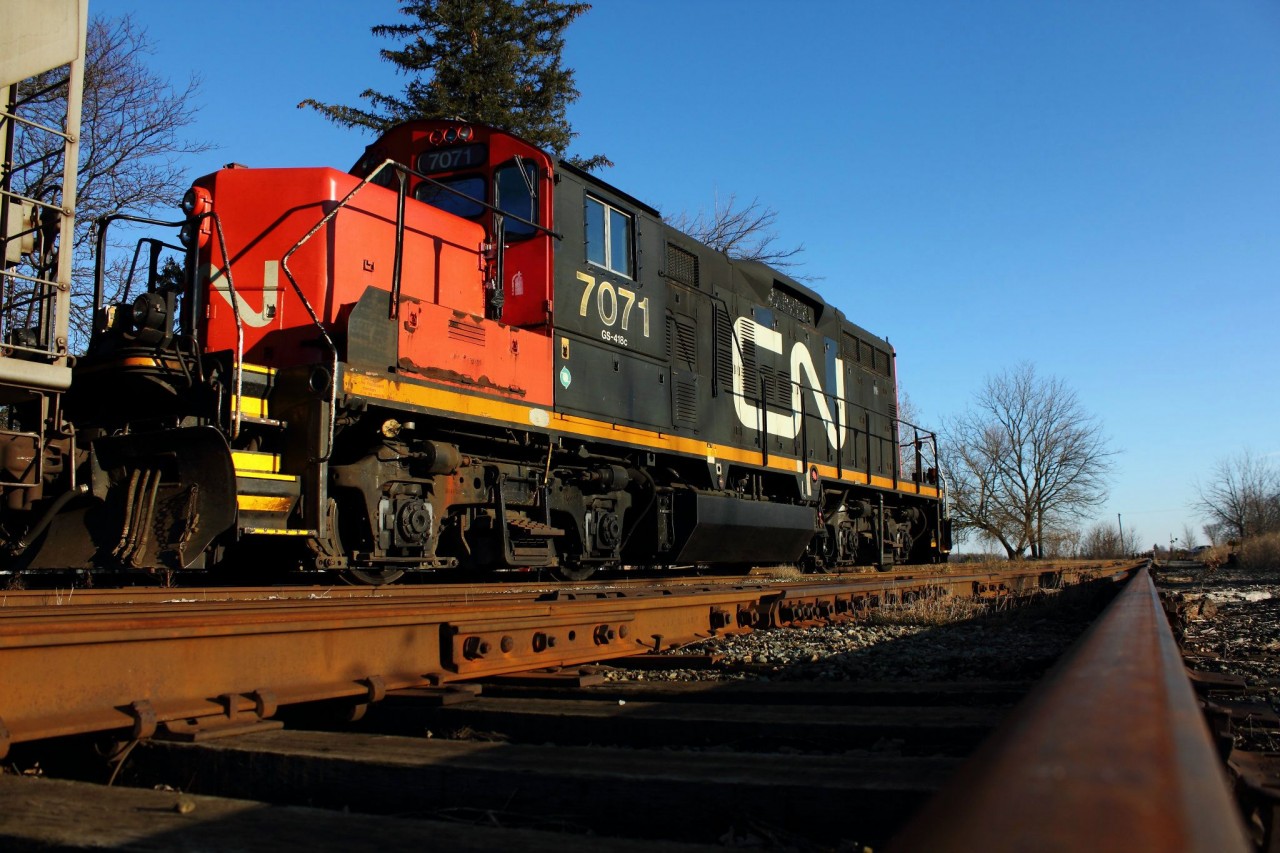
(85, 667)
(1111, 752)
(954, 577)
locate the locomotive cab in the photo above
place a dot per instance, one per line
(490, 178)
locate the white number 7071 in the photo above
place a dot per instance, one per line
(606, 303)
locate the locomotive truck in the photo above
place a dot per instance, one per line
(462, 354)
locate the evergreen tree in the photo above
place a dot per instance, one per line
(494, 62)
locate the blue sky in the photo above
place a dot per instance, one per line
(1093, 187)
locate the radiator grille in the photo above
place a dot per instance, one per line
(682, 342)
(686, 402)
(882, 365)
(791, 303)
(682, 266)
(724, 351)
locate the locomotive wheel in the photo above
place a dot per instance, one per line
(372, 577)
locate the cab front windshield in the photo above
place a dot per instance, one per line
(465, 200)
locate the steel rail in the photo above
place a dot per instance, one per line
(953, 576)
(82, 668)
(1109, 753)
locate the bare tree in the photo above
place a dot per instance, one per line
(978, 503)
(745, 233)
(1101, 541)
(1242, 498)
(1104, 541)
(1215, 533)
(1025, 461)
(130, 145)
(1062, 543)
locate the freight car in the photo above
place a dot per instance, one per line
(463, 354)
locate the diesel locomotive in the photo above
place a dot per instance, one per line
(462, 354)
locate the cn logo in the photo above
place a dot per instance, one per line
(803, 373)
(270, 294)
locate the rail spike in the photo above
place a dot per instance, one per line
(376, 686)
(144, 719)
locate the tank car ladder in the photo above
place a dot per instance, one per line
(37, 229)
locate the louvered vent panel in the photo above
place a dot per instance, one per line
(724, 351)
(685, 343)
(750, 373)
(468, 333)
(882, 362)
(777, 389)
(682, 266)
(686, 402)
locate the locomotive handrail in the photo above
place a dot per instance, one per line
(402, 170)
(156, 246)
(921, 435)
(306, 303)
(400, 167)
(237, 364)
(99, 272)
(397, 263)
(99, 264)
(763, 404)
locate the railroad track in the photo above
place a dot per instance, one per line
(561, 750)
(228, 660)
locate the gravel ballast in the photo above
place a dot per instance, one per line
(1232, 626)
(1004, 640)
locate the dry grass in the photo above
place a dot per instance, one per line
(1214, 556)
(929, 610)
(1260, 553)
(779, 572)
(978, 564)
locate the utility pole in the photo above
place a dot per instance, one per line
(1120, 524)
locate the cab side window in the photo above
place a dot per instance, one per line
(515, 189)
(610, 237)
